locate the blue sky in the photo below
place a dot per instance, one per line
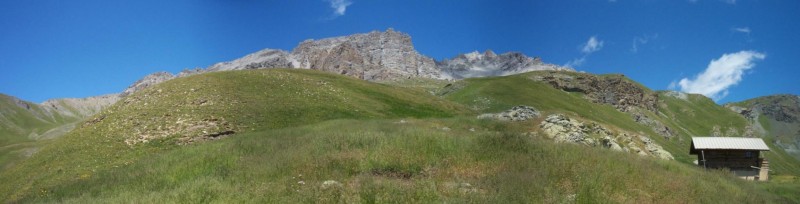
(729, 50)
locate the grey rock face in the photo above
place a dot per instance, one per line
(371, 56)
(477, 64)
(147, 81)
(267, 58)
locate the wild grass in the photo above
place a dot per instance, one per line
(381, 161)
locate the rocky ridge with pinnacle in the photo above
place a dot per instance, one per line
(373, 56)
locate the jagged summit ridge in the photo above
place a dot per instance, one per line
(370, 56)
(373, 56)
(475, 64)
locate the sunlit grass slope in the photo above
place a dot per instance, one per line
(416, 161)
(155, 119)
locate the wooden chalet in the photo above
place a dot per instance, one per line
(740, 155)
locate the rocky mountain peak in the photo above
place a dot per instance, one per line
(147, 81)
(476, 64)
(266, 58)
(374, 56)
(371, 56)
(489, 53)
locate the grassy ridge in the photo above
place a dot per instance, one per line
(243, 101)
(387, 161)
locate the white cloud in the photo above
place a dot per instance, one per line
(339, 6)
(593, 45)
(637, 41)
(745, 30)
(720, 74)
(576, 62)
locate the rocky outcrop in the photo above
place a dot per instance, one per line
(147, 81)
(477, 64)
(517, 113)
(657, 127)
(564, 129)
(614, 90)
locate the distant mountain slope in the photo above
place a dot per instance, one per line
(778, 116)
(475, 64)
(22, 122)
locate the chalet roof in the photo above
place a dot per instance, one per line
(735, 143)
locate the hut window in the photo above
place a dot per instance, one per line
(748, 154)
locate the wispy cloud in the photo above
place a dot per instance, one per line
(720, 74)
(576, 62)
(641, 40)
(593, 45)
(742, 30)
(339, 7)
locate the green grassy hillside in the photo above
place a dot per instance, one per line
(387, 161)
(306, 136)
(493, 94)
(211, 106)
(696, 115)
